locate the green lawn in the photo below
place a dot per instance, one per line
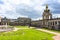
(26, 34)
(24, 27)
(42, 28)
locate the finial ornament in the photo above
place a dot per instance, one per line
(46, 10)
(46, 5)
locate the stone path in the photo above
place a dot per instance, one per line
(15, 29)
(57, 37)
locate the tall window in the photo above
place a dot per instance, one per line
(44, 17)
(55, 22)
(59, 22)
(49, 17)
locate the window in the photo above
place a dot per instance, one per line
(59, 22)
(55, 22)
(51, 23)
(49, 17)
(44, 17)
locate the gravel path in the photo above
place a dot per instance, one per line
(57, 37)
(15, 29)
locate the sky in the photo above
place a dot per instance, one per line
(28, 8)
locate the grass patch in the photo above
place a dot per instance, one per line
(25, 27)
(21, 26)
(42, 28)
(26, 34)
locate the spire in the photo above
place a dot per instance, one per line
(46, 10)
(46, 6)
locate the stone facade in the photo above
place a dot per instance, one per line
(37, 23)
(48, 21)
(54, 23)
(15, 22)
(46, 16)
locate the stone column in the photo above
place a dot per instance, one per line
(52, 23)
(57, 23)
(57, 27)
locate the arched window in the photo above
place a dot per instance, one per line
(44, 17)
(49, 17)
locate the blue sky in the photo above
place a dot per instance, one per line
(28, 8)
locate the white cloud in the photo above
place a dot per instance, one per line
(58, 1)
(10, 5)
(56, 15)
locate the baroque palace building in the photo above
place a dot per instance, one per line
(47, 21)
